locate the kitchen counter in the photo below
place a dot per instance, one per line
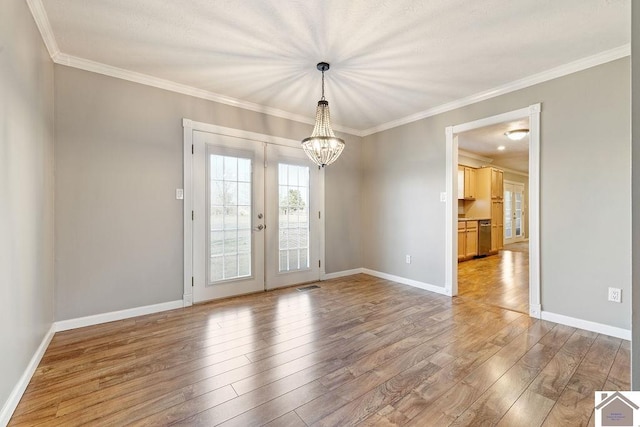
(471, 219)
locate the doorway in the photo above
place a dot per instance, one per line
(532, 114)
(252, 211)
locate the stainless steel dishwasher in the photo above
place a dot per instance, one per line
(484, 237)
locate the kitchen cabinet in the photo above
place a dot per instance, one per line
(489, 203)
(467, 239)
(466, 183)
(462, 245)
(497, 225)
(497, 183)
(471, 239)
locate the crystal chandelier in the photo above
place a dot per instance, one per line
(323, 147)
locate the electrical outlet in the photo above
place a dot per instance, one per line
(615, 294)
(408, 259)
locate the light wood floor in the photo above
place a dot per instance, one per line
(358, 350)
(498, 280)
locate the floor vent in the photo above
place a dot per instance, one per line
(308, 288)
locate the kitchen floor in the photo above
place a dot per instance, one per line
(500, 280)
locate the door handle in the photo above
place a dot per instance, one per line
(260, 227)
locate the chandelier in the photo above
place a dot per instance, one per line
(323, 147)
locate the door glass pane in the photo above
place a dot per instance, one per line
(229, 218)
(507, 215)
(293, 194)
(518, 213)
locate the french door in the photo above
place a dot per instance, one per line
(513, 212)
(256, 216)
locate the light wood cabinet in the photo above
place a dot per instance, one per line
(467, 239)
(466, 183)
(469, 183)
(497, 183)
(489, 203)
(462, 246)
(471, 239)
(497, 225)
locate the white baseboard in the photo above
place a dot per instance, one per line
(535, 310)
(337, 274)
(410, 282)
(17, 392)
(65, 325)
(588, 325)
(187, 300)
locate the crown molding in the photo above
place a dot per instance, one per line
(44, 26)
(474, 156)
(513, 171)
(145, 79)
(554, 73)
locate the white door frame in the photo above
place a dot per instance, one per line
(451, 243)
(188, 127)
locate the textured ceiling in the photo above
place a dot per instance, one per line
(389, 58)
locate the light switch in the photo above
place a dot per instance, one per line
(179, 193)
(443, 197)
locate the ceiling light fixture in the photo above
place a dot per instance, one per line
(501, 147)
(517, 134)
(323, 147)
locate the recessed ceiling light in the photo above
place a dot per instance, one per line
(502, 147)
(517, 134)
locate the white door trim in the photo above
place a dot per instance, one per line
(451, 244)
(188, 127)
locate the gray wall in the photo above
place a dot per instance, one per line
(585, 192)
(118, 162)
(26, 192)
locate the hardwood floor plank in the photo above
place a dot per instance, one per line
(264, 413)
(381, 396)
(386, 417)
(447, 407)
(357, 350)
(494, 403)
(500, 280)
(358, 381)
(556, 375)
(254, 398)
(575, 405)
(530, 409)
(618, 378)
(290, 419)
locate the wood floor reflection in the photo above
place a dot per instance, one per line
(358, 350)
(498, 280)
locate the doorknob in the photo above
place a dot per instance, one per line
(260, 227)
